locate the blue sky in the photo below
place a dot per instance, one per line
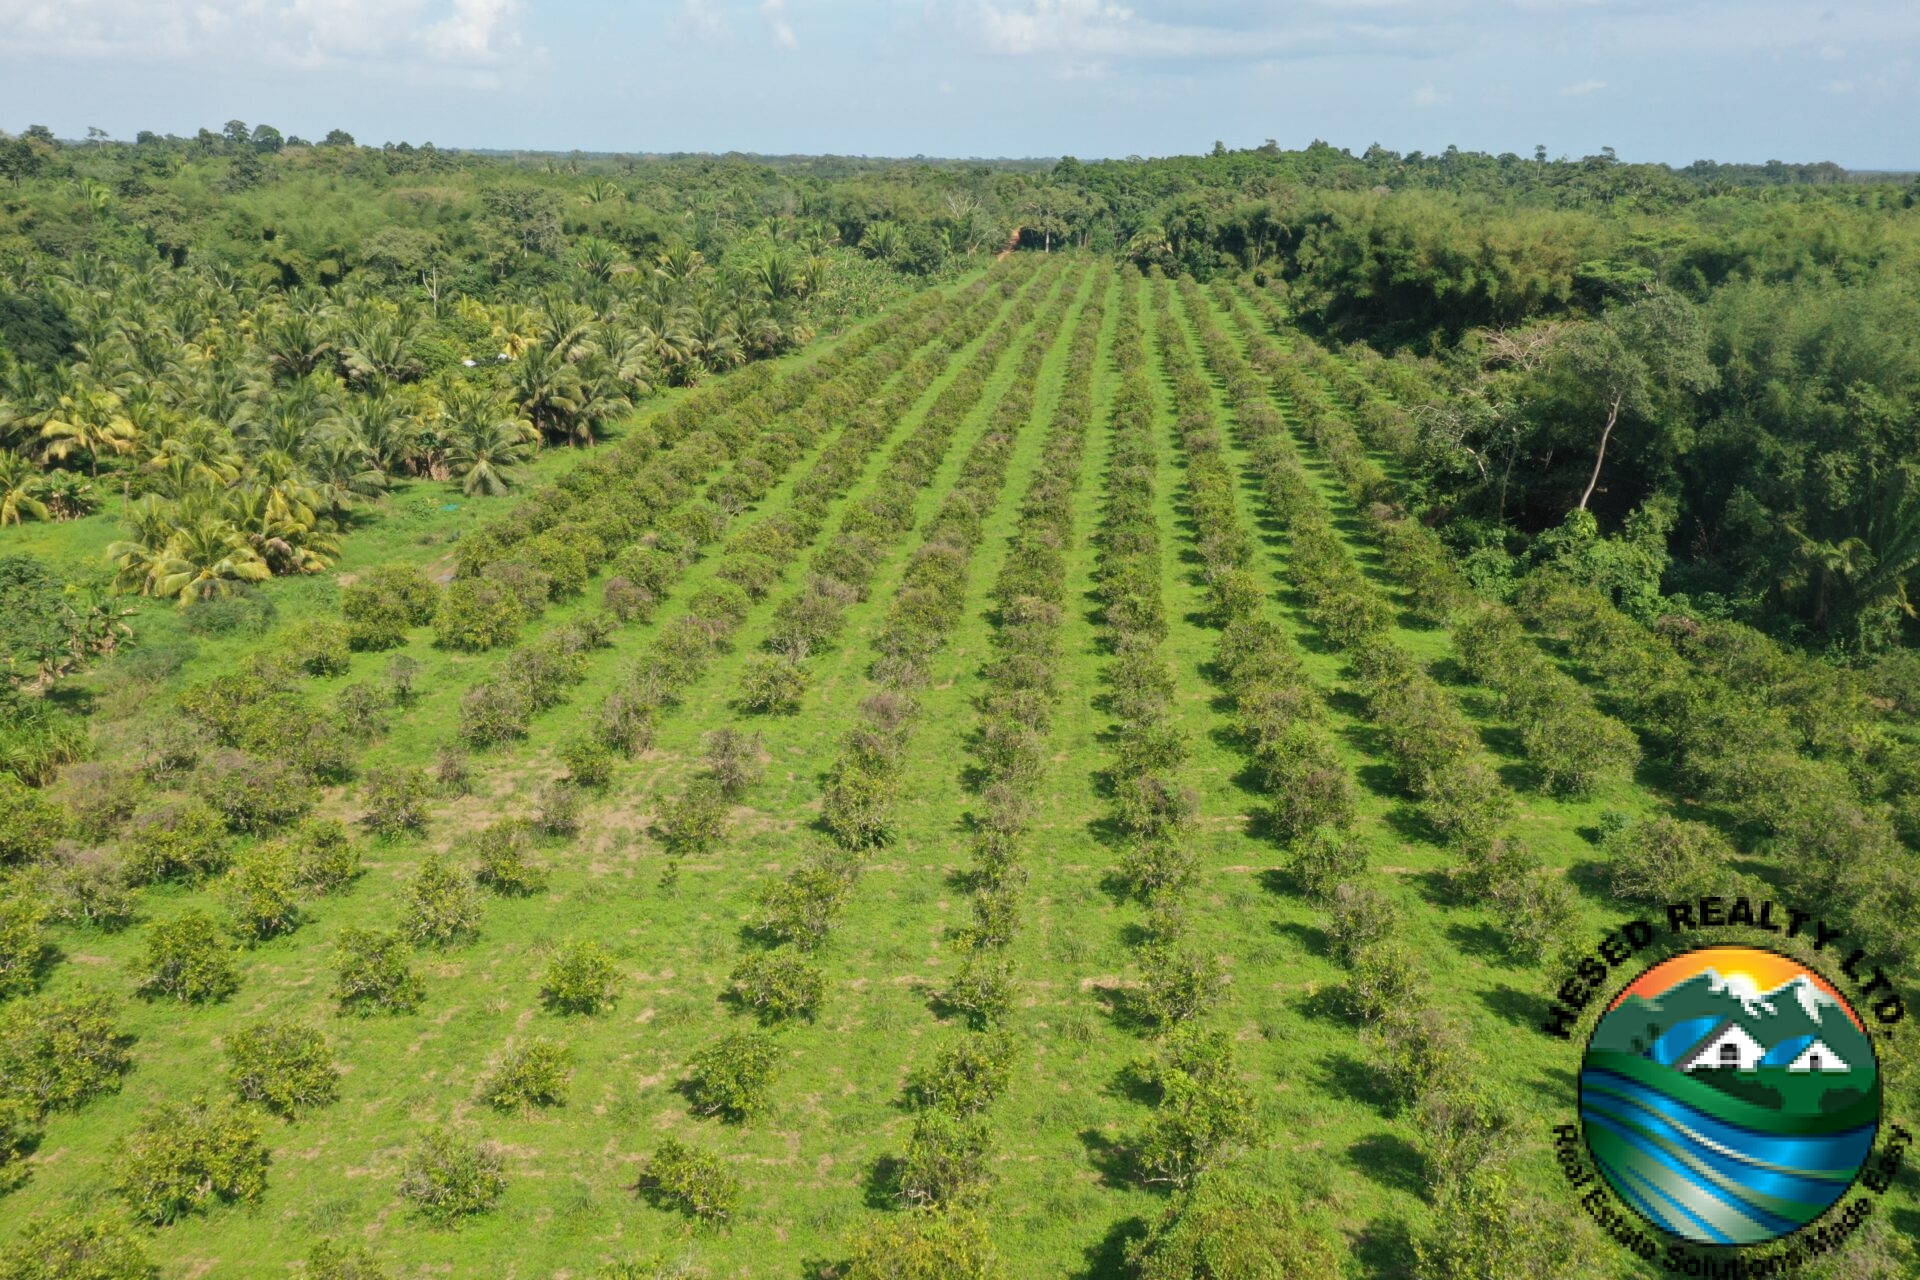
(1672, 80)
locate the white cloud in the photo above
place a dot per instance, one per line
(701, 20)
(1583, 88)
(1097, 29)
(775, 12)
(447, 34)
(1428, 96)
(1839, 86)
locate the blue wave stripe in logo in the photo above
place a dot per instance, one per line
(1662, 1208)
(1728, 1216)
(1832, 1156)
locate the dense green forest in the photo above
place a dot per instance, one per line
(289, 325)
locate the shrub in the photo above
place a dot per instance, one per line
(1324, 859)
(452, 771)
(475, 614)
(857, 806)
(180, 841)
(441, 905)
(1156, 869)
(693, 821)
(800, 908)
(1463, 1130)
(260, 892)
(731, 1076)
(30, 824)
(582, 978)
(88, 889)
(19, 1135)
(325, 858)
(183, 1157)
(449, 1175)
(1483, 1225)
(361, 711)
(589, 763)
(735, 760)
(255, 795)
(23, 944)
(966, 1075)
(493, 712)
(556, 810)
(778, 984)
(332, 1260)
(1536, 912)
(626, 721)
(1382, 977)
(1663, 860)
(283, 1065)
(772, 685)
(1179, 982)
(385, 602)
(534, 1074)
(1416, 1050)
(1358, 916)
(372, 973)
(982, 988)
(99, 798)
(396, 800)
(57, 1052)
(69, 1247)
(1203, 1114)
(626, 599)
(504, 868)
(925, 1244)
(403, 679)
(188, 959)
(693, 1182)
(1225, 1227)
(946, 1160)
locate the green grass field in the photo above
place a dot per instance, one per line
(812, 1166)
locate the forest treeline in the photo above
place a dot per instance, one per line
(1705, 376)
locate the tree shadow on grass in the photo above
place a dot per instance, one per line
(1126, 1008)
(880, 1188)
(1521, 1007)
(1313, 939)
(1384, 1248)
(1111, 1161)
(1482, 941)
(1391, 1161)
(1326, 1004)
(1107, 1257)
(1347, 1075)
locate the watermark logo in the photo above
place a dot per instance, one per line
(1730, 1095)
(1730, 1098)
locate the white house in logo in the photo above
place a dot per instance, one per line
(1730, 1047)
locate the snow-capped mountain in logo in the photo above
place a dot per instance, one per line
(1754, 1002)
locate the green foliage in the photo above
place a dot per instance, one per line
(1325, 859)
(475, 614)
(182, 1158)
(320, 648)
(946, 1160)
(772, 684)
(693, 821)
(396, 800)
(1224, 1227)
(184, 840)
(589, 762)
(440, 906)
(556, 810)
(534, 1074)
(282, 1065)
(261, 892)
(255, 795)
(332, 1260)
(19, 1134)
(504, 866)
(449, 1174)
(384, 603)
(188, 958)
(581, 978)
(691, 1181)
(1663, 860)
(325, 859)
(924, 1244)
(1483, 1224)
(57, 1052)
(73, 1247)
(1203, 1116)
(966, 1075)
(30, 823)
(730, 1076)
(23, 944)
(778, 984)
(373, 973)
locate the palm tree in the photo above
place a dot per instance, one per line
(486, 442)
(205, 558)
(19, 487)
(548, 389)
(90, 420)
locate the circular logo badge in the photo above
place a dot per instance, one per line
(1730, 1095)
